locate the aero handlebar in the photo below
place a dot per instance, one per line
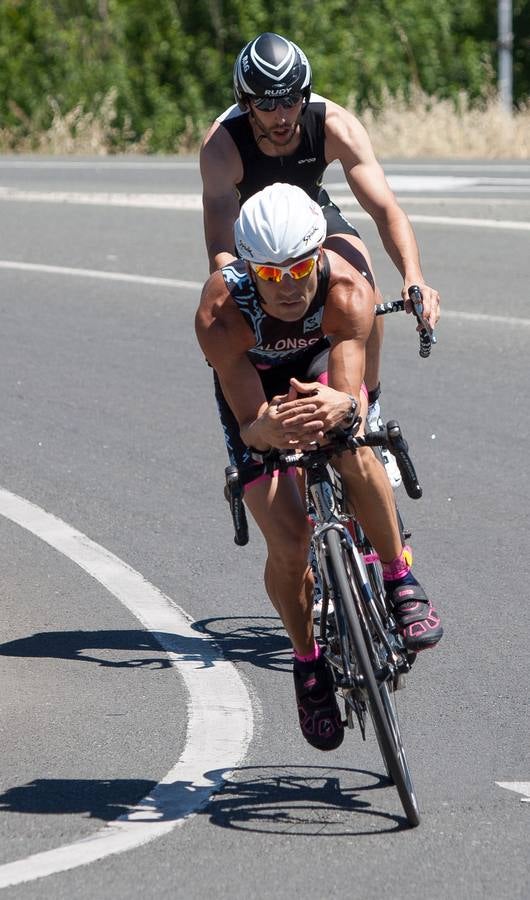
(339, 441)
(426, 333)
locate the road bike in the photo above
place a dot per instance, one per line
(358, 632)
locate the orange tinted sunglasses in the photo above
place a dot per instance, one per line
(297, 270)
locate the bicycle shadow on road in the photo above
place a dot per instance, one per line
(304, 801)
(259, 640)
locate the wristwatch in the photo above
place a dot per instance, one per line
(348, 420)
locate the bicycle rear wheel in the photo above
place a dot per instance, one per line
(377, 695)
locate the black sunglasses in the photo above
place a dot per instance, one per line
(268, 104)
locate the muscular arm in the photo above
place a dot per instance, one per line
(221, 170)
(225, 339)
(348, 320)
(348, 141)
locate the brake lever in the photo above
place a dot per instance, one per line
(234, 494)
(427, 335)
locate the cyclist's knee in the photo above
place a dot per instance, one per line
(289, 548)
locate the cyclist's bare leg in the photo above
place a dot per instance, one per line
(278, 510)
(374, 346)
(370, 493)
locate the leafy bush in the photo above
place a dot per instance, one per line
(167, 66)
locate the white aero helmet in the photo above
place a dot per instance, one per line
(278, 223)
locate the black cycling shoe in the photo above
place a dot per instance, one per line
(318, 711)
(418, 622)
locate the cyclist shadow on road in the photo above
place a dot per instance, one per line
(303, 801)
(105, 648)
(259, 640)
(100, 798)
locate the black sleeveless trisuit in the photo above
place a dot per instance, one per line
(305, 167)
(283, 350)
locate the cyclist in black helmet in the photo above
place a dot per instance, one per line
(279, 130)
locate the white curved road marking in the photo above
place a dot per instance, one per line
(220, 720)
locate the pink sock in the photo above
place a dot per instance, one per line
(399, 567)
(312, 656)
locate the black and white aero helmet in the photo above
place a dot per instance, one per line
(271, 66)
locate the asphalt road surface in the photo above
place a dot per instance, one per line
(142, 667)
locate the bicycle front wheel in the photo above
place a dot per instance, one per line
(377, 696)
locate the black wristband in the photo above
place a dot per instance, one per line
(374, 395)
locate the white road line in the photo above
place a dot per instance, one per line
(439, 199)
(100, 273)
(193, 202)
(453, 221)
(105, 198)
(421, 182)
(220, 722)
(470, 167)
(520, 787)
(483, 317)
(197, 286)
(402, 184)
(466, 200)
(502, 224)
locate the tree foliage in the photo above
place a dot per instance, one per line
(170, 63)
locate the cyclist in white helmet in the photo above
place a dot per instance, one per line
(278, 130)
(285, 328)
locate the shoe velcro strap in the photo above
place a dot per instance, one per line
(411, 604)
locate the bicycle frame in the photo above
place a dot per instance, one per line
(327, 515)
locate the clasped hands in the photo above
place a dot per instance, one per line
(303, 415)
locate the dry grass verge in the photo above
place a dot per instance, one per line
(421, 127)
(427, 127)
